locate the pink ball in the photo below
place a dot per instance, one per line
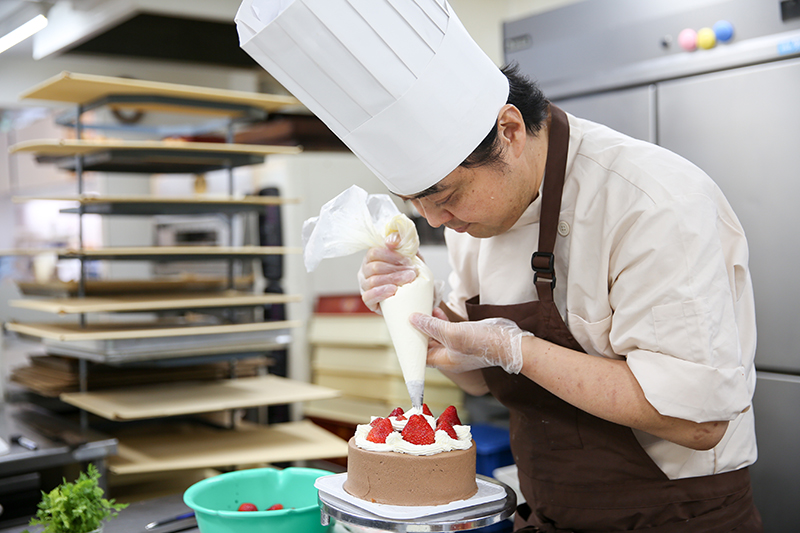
(687, 39)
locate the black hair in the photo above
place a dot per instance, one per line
(525, 95)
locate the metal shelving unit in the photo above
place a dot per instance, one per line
(124, 342)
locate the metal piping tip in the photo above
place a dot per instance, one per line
(416, 391)
(416, 402)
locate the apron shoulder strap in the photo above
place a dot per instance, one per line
(543, 260)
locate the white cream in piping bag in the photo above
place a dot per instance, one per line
(416, 297)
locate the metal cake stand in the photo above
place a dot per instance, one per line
(464, 519)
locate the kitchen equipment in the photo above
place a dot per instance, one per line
(25, 442)
(729, 106)
(206, 340)
(164, 521)
(460, 519)
(215, 501)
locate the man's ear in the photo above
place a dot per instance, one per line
(511, 129)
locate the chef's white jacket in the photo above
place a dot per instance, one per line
(651, 267)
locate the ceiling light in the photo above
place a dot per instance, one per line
(24, 31)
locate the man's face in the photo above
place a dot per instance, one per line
(482, 201)
(487, 200)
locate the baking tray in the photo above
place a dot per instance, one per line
(117, 351)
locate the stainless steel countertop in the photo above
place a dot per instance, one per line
(60, 442)
(137, 515)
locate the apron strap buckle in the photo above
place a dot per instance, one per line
(544, 263)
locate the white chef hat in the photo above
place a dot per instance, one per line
(400, 82)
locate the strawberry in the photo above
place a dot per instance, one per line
(426, 410)
(380, 430)
(447, 427)
(374, 422)
(398, 411)
(418, 431)
(451, 416)
(275, 507)
(248, 507)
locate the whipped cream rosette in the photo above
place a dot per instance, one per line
(396, 443)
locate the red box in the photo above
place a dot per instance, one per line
(341, 303)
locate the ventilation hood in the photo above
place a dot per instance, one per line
(197, 31)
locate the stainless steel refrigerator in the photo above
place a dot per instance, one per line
(734, 110)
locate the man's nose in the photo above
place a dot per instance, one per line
(436, 216)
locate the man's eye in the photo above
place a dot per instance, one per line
(440, 203)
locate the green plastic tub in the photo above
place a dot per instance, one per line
(216, 500)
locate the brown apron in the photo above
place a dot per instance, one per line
(580, 473)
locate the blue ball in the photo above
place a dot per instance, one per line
(723, 30)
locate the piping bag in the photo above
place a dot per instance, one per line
(355, 221)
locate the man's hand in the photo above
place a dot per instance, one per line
(463, 346)
(382, 271)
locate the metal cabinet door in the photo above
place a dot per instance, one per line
(776, 485)
(743, 128)
(631, 111)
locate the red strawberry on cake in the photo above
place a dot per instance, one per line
(381, 428)
(398, 414)
(418, 431)
(447, 427)
(450, 415)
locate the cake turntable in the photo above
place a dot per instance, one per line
(466, 516)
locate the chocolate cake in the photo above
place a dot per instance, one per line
(412, 459)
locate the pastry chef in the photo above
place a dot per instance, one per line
(600, 284)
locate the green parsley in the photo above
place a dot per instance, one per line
(77, 507)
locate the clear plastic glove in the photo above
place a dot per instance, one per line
(462, 346)
(382, 271)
